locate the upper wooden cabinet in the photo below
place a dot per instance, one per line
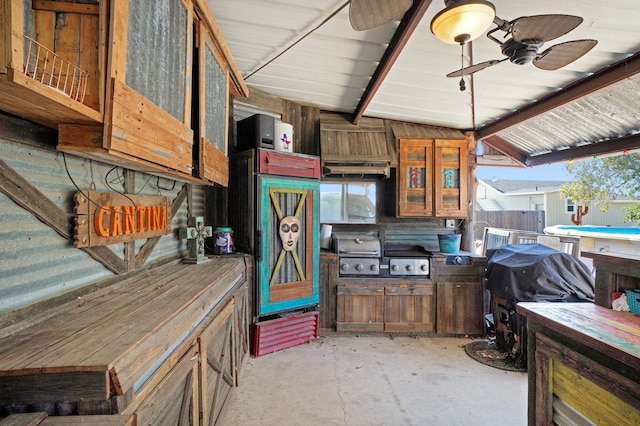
(145, 84)
(51, 54)
(432, 178)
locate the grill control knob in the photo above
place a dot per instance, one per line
(344, 266)
(373, 267)
(395, 268)
(424, 268)
(409, 268)
(359, 267)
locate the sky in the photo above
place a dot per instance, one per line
(556, 171)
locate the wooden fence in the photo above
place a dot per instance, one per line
(514, 219)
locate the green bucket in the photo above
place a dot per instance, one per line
(449, 243)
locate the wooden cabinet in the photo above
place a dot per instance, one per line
(459, 308)
(397, 307)
(327, 288)
(196, 389)
(165, 346)
(451, 302)
(99, 81)
(460, 300)
(175, 399)
(415, 178)
(409, 308)
(615, 272)
(583, 364)
(432, 178)
(360, 308)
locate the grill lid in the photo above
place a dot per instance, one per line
(357, 245)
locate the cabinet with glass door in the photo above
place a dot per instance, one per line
(432, 178)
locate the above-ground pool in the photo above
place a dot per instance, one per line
(619, 239)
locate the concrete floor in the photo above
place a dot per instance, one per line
(376, 380)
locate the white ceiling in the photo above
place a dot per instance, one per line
(298, 51)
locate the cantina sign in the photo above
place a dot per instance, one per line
(104, 218)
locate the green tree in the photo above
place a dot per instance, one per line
(601, 180)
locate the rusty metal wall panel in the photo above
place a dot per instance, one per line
(35, 261)
(157, 53)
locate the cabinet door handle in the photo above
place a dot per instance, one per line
(391, 290)
(379, 290)
(458, 286)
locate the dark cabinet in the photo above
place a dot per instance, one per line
(460, 300)
(328, 277)
(402, 306)
(360, 308)
(409, 308)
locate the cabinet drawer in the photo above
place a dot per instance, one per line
(409, 290)
(360, 291)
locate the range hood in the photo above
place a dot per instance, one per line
(354, 150)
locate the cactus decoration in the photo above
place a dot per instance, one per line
(576, 218)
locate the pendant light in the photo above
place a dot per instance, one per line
(462, 20)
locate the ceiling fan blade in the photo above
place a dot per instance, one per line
(367, 14)
(475, 68)
(542, 28)
(559, 55)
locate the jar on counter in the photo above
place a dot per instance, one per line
(223, 241)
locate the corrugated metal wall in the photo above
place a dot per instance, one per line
(35, 261)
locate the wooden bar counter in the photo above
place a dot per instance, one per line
(155, 347)
(583, 362)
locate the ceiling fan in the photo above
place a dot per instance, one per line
(367, 14)
(526, 35)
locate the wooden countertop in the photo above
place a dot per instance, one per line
(616, 334)
(119, 335)
(613, 257)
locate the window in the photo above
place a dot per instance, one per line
(348, 202)
(569, 206)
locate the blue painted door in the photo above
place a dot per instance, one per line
(289, 243)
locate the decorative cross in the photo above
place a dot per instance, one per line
(195, 233)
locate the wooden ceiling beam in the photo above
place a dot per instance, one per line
(407, 26)
(507, 149)
(598, 81)
(615, 146)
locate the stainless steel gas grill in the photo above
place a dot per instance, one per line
(404, 288)
(363, 255)
(382, 288)
(359, 254)
(407, 260)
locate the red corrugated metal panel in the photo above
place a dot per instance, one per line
(282, 333)
(299, 165)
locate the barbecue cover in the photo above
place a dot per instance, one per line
(537, 273)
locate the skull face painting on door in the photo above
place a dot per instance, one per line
(289, 231)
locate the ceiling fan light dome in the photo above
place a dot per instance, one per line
(471, 17)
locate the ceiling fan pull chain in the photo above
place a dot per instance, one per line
(463, 86)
